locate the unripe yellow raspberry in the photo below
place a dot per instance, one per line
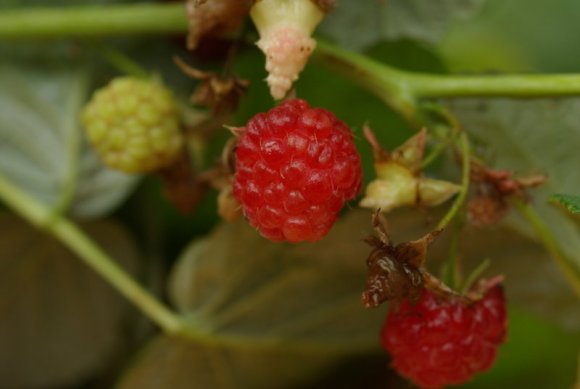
(134, 125)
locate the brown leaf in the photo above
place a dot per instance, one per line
(221, 94)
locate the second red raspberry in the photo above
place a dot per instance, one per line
(295, 168)
(436, 342)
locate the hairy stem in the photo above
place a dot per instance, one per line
(571, 272)
(76, 240)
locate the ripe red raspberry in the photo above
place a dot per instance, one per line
(295, 167)
(436, 343)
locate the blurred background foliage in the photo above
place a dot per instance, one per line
(150, 235)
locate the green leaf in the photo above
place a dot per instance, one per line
(370, 22)
(532, 136)
(275, 314)
(42, 147)
(572, 203)
(60, 322)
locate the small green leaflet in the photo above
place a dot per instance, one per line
(572, 203)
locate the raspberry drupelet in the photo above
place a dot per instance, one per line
(295, 168)
(436, 342)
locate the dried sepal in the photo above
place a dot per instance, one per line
(415, 251)
(228, 207)
(488, 203)
(221, 94)
(215, 17)
(399, 181)
(325, 5)
(183, 185)
(397, 272)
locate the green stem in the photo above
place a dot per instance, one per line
(434, 154)
(68, 233)
(91, 21)
(462, 195)
(401, 89)
(571, 272)
(387, 83)
(121, 62)
(524, 85)
(397, 87)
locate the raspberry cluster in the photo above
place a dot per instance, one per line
(134, 125)
(295, 167)
(438, 342)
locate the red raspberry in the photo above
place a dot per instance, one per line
(295, 167)
(436, 343)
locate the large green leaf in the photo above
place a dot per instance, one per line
(42, 147)
(532, 136)
(274, 313)
(359, 24)
(60, 322)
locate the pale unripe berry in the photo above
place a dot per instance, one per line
(133, 125)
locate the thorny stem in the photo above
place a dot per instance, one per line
(72, 236)
(571, 272)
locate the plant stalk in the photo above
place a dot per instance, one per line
(465, 148)
(405, 87)
(92, 21)
(76, 240)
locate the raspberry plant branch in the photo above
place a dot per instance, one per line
(76, 240)
(570, 270)
(401, 89)
(92, 21)
(171, 323)
(397, 87)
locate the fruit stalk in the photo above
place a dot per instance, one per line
(465, 148)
